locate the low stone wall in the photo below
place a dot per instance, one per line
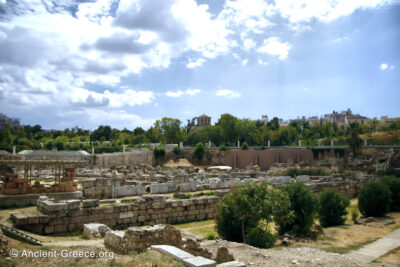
(70, 216)
(18, 201)
(103, 188)
(139, 239)
(109, 160)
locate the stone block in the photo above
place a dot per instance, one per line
(73, 204)
(199, 262)
(90, 203)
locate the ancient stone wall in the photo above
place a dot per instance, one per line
(103, 188)
(70, 216)
(109, 160)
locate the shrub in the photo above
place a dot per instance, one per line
(393, 183)
(210, 236)
(188, 195)
(159, 151)
(260, 238)
(209, 155)
(177, 150)
(198, 152)
(354, 215)
(244, 207)
(332, 207)
(374, 199)
(223, 148)
(245, 145)
(304, 206)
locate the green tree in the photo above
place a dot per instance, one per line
(170, 130)
(198, 152)
(244, 207)
(332, 207)
(303, 203)
(374, 199)
(229, 130)
(353, 140)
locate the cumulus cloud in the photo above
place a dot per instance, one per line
(262, 62)
(248, 44)
(228, 93)
(273, 46)
(193, 64)
(340, 39)
(180, 93)
(385, 66)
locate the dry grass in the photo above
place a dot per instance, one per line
(392, 257)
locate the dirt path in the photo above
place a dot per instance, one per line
(378, 248)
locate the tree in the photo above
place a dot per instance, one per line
(332, 207)
(101, 131)
(353, 140)
(374, 199)
(170, 130)
(198, 152)
(229, 131)
(273, 124)
(304, 206)
(244, 207)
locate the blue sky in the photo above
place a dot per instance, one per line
(128, 63)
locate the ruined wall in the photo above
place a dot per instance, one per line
(70, 216)
(109, 160)
(265, 158)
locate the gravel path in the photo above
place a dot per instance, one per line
(285, 257)
(378, 248)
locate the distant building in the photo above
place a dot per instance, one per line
(385, 119)
(344, 118)
(356, 118)
(314, 120)
(4, 120)
(264, 119)
(201, 122)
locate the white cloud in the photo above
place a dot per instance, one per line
(323, 10)
(180, 93)
(244, 62)
(248, 44)
(340, 39)
(193, 64)
(228, 93)
(192, 91)
(273, 46)
(262, 62)
(385, 66)
(174, 94)
(3, 2)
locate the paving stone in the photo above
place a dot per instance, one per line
(199, 262)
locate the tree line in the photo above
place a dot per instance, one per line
(226, 131)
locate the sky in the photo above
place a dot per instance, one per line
(127, 63)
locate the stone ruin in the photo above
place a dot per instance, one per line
(12, 185)
(71, 215)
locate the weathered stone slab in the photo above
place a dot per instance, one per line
(199, 262)
(172, 251)
(232, 264)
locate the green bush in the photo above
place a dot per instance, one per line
(374, 200)
(223, 148)
(393, 183)
(198, 152)
(245, 146)
(245, 206)
(303, 203)
(159, 151)
(260, 238)
(332, 207)
(354, 215)
(177, 150)
(209, 155)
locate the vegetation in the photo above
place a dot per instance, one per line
(245, 145)
(198, 152)
(177, 150)
(374, 200)
(312, 172)
(393, 183)
(332, 207)
(260, 238)
(303, 203)
(223, 148)
(159, 151)
(227, 131)
(244, 208)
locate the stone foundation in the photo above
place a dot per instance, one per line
(71, 215)
(139, 239)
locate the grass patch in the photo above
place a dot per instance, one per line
(344, 250)
(202, 228)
